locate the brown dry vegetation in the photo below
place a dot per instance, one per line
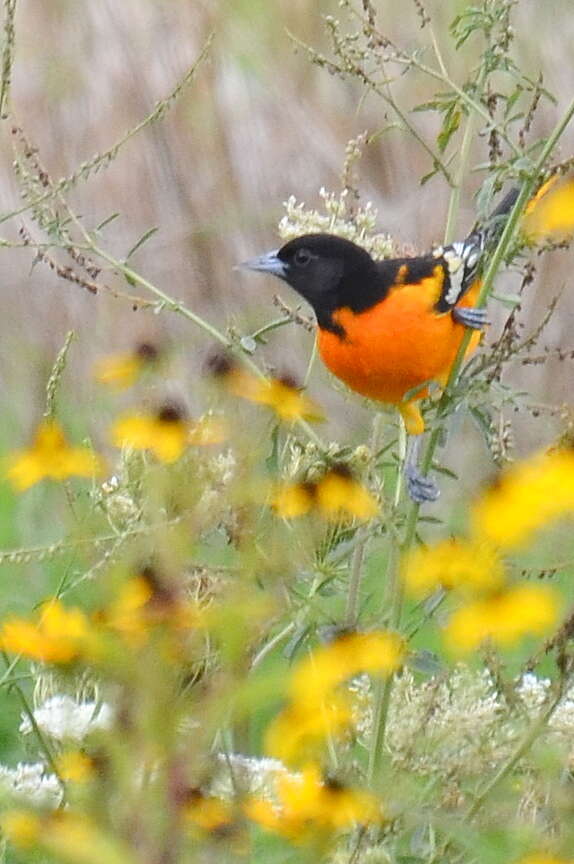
(258, 124)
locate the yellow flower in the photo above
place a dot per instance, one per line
(525, 498)
(208, 812)
(285, 397)
(298, 733)
(378, 653)
(143, 602)
(550, 214)
(336, 495)
(294, 499)
(282, 393)
(50, 456)
(59, 636)
(310, 809)
(123, 370)
(21, 827)
(165, 433)
(468, 565)
(74, 766)
(503, 618)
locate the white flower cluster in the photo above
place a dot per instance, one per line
(30, 782)
(247, 774)
(118, 504)
(64, 719)
(360, 228)
(459, 725)
(216, 475)
(61, 718)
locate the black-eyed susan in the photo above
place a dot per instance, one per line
(525, 498)
(299, 732)
(167, 432)
(208, 812)
(59, 635)
(378, 653)
(337, 494)
(50, 456)
(285, 397)
(503, 618)
(280, 393)
(468, 565)
(340, 494)
(294, 499)
(164, 432)
(144, 602)
(123, 370)
(311, 808)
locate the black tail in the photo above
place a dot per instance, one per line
(492, 228)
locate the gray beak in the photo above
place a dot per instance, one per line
(268, 263)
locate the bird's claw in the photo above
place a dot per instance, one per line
(420, 488)
(475, 319)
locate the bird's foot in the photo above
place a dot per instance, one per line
(420, 488)
(475, 319)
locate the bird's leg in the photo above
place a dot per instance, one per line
(475, 319)
(419, 487)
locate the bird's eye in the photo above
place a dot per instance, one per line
(302, 257)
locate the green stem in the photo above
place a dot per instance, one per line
(383, 697)
(535, 730)
(269, 646)
(352, 606)
(393, 600)
(523, 747)
(454, 200)
(43, 744)
(273, 325)
(496, 260)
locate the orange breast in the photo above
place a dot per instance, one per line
(396, 345)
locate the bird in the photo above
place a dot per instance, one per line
(390, 327)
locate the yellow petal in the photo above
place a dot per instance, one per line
(294, 499)
(74, 766)
(119, 371)
(550, 214)
(526, 498)
(21, 827)
(380, 652)
(467, 565)
(167, 439)
(300, 731)
(50, 456)
(339, 494)
(504, 618)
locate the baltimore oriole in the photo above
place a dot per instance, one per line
(387, 328)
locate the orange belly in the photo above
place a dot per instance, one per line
(396, 346)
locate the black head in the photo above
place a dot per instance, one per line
(328, 271)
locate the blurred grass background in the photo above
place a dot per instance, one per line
(258, 124)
